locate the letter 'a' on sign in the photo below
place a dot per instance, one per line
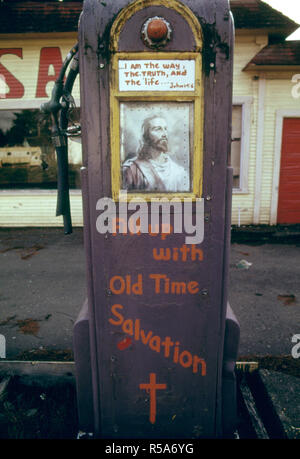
(156, 100)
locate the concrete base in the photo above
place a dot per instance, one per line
(84, 389)
(283, 392)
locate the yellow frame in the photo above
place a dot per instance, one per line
(134, 7)
(195, 96)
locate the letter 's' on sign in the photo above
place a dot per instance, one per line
(16, 88)
(150, 344)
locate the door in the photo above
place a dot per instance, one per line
(289, 183)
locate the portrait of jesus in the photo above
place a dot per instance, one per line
(160, 160)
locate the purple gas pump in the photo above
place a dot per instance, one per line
(156, 341)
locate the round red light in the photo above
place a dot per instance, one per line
(157, 30)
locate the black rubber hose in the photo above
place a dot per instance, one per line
(53, 106)
(63, 195)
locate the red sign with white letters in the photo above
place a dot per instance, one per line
(50, 58)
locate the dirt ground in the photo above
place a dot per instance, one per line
(43, 287)
(35, 409)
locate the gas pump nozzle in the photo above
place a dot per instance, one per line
(58, 107)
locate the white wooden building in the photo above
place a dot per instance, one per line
(266, 113)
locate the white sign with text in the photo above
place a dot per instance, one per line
(157, 75)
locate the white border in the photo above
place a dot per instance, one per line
(280, 115)
(35, 191)
(22, 104)
(246, 103)
(259, 148)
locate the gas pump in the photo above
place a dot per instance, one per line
(156, 341)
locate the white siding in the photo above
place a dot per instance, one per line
(246, 47)
(36, 209)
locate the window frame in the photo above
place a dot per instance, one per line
(246, 103)
(13, 104)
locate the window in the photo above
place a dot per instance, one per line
(236, 137)
(27, 156)
(240, 142)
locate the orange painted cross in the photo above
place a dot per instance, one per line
(151, 388)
